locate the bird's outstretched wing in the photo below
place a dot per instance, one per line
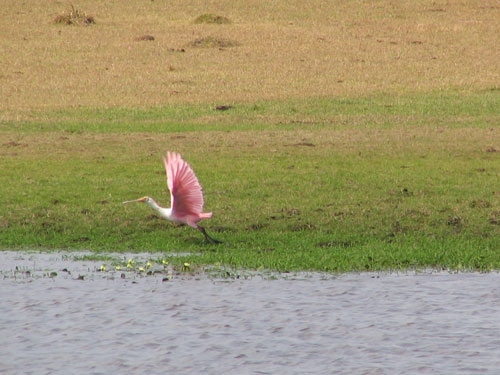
(185, 190)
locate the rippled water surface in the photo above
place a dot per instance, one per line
(427, 323)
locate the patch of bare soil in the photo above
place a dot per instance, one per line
(214, 42)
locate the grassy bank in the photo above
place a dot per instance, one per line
(373, 183)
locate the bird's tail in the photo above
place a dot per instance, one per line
(205, 215)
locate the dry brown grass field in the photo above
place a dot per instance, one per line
(272, 50)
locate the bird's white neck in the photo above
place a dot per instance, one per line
(165, 212)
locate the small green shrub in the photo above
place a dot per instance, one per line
(210, 18)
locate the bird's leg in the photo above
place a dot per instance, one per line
(207, 237)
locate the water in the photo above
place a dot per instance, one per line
(428, 323)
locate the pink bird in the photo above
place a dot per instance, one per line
(186, 196)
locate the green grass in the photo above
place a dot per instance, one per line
(375, 183)
(452, 109)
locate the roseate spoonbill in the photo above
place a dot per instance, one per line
(186, 196)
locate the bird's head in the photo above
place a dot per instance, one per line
(143, 200)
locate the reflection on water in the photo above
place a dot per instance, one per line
(430, 323)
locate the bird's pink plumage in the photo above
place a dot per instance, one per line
(185, 190)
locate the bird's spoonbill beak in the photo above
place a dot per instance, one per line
(143, 199)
